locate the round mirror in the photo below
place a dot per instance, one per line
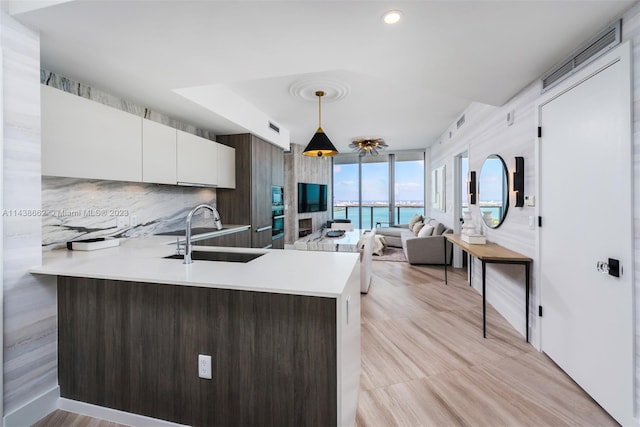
(493, 189)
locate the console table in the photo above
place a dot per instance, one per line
(491, 253)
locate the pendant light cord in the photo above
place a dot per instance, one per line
(320, 94)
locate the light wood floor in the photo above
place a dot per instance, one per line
(61, 418)
(425, 363)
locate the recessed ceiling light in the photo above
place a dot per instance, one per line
(392, 16)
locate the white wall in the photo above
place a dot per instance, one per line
(30, 347)
(486, 132)
(631, 31)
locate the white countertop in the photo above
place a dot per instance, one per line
(294, 272)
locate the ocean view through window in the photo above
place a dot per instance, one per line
(382, 190)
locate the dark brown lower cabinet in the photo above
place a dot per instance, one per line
(134, 347)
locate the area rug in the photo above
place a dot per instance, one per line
(391, 254)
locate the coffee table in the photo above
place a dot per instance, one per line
(319, 241)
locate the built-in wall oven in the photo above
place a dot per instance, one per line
(277, 214)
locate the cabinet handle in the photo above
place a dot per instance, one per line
(261, 229)
(278, 217)
(269, 246)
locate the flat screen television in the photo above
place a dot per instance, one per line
(312, 197)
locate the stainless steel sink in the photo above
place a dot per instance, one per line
(220, 256)
(194, 231)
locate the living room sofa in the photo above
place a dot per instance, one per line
(427, 248)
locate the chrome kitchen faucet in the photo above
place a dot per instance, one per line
(187, 246)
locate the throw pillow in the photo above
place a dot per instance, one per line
(413, 220)
(417, 227)
(425, 231)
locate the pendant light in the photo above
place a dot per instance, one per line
(320, 145)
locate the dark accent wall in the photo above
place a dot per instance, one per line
(301, 168)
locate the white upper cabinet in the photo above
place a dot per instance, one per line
(86, 139)
(158, 153)
(197, 160)
(226, 166)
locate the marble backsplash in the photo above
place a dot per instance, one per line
(75, 209)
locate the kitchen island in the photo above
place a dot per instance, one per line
(284, 340)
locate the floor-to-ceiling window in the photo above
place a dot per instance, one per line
(374, 184)
(408, 185)
(346, 188)
(378, 190)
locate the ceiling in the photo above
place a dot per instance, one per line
(405, 83)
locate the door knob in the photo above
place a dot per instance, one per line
(602, 267)
(611, 267)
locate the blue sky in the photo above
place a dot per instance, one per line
(409, 182)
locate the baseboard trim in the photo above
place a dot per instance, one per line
(41, 406)
(34, 410)
(112, 415)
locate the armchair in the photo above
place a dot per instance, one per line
(427, 250)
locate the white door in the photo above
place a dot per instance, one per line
(586, 208)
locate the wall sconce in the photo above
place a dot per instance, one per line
(518, 181)
(471, 188)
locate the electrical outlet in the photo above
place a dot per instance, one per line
(204, 366)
